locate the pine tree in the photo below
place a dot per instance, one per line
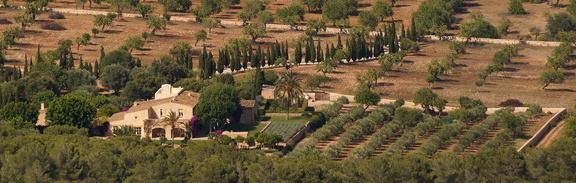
(298, 52)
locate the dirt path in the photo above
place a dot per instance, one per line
(554, 134)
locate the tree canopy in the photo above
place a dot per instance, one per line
(70, 110)
(217, 103)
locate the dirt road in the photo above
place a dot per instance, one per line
(554, 134)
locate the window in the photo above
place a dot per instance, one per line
(160, 112)
(138, 130)
(181, 113)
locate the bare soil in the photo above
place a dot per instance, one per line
(553, 134)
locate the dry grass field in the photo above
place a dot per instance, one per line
(518, 81)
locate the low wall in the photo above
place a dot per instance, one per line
(541, 132)
(493, 41)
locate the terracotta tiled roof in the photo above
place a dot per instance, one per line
(248, 103)
(117, 116)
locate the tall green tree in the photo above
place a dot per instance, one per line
(287, 89)
(217, 102)
(115, 77)
(70, 110)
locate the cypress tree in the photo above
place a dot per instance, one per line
(38, 55)
(211, 69)
(348, 49)
(245, 60)
(102, 54)
(403, 35)
(270, 57)
(81, 64)
(25, 64)
(262, 57)
(312, 50)
(277, 51)
(298, 52)
(253, 61)
(258, 56)
(97, 68)
(354, 46)
(328, 55)
(273, 56)
(286, 51)
(332, 50)
(70, 63)
(307, 56)
(89, 67)
(226, 58)
(220, 64)
(339, 45)
(319, 54)
(413, 33)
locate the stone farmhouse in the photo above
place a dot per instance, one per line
(147, 116)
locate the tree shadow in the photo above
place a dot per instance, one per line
(560, 90)
(363, 5)
(437, 88)
(401, 6)
(276, 31)
(33, 31)
(384, 84)
(510, 69)
(112, 31)
(43, 21)
(166, 35)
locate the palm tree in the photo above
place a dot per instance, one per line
(287, 88)
(172, 120)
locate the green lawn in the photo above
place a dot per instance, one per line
(250, 128)
(293, 119)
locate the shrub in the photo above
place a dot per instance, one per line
(56, 16)
(409, 45)
(5, 21)
(515, 7)
(317, 120)
(64, 130)
(52, 26)
(511, 102)
(343, 100)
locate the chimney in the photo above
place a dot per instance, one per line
(42, 106)
(135, 103)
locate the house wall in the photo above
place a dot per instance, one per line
(175, 107)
